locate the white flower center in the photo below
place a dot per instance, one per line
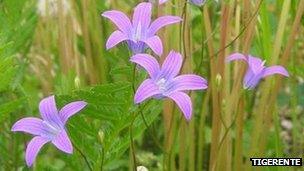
(138, 32)
(263, 63)
(50, 128)
(162, 84)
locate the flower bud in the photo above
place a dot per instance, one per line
(101, 136)
(77, 82)
(218, 80)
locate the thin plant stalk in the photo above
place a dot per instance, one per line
(169, 38)
(183, 125)
(238, 152)
(182, 144)
(225, 153)
(86, 37)
(84, 157)
(201, 133)
(258, 143)
(285, 56)
(132, 148)
(215, 112)
(287, 52)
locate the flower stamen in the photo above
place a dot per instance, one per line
(162, 85)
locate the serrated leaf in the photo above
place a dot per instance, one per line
(110, 110)
(7, 108)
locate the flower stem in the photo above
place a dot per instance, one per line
(132, 144)
(84, 157)
(262, 116)
(148, 128)
(102, 159)
(168, 141)
(131, 125)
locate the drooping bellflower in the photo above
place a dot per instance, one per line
(140, 33)
(256, 69)
(51, 128)
(164, 82)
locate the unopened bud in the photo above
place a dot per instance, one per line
(100, 136)
(218, 80)
(77, 82)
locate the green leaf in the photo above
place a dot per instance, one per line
(110, 110)
(7, 73)
(7, 108)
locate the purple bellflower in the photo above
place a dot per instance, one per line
(51, 128)
(164, 82)
(256, 69)
(198, 2)
(140, 33)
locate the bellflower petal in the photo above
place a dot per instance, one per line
(142, 15)
(256, 69)
(139, 34)
(236, 56)
(275, 70)
(148, 62)
(115, 38)
(164, 83)
(172, 65)
(159, 1)
(155, 44)
(51, 128)
(49, 112)
(162, 1)
(136, 47)
(162, 22)
(147, 89)
(122, 22)
(63, 143)
(251, 79)
(189, 82)
(70, 109)
(29, 125)
(33, 149)
(198, 2)
(255, 64)
(184, 103)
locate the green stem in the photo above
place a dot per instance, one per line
(225, 135)
(131, 125)
(102, 159)
(132, 144)
(148, 128)
(84, 157)
(166, 158)
(241, 32)
(142, 114)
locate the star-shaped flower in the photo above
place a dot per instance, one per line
(141, 33)
(51, 128)
(256, 69)
(164, 82)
